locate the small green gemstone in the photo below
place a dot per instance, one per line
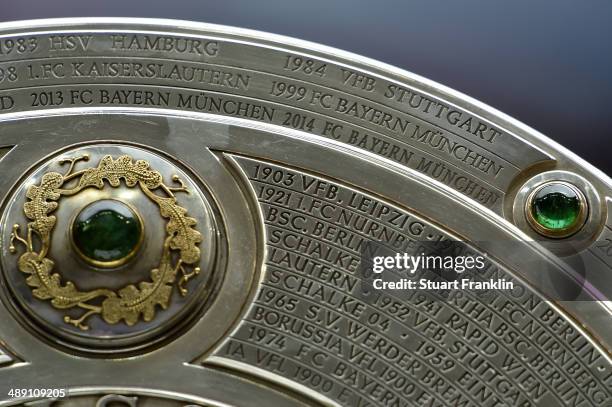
(556, 207)
(107, 231)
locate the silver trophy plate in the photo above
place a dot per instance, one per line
(192, 215)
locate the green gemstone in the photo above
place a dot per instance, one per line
(107, 232)
(556, 207)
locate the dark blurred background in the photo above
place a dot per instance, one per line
(547, 63)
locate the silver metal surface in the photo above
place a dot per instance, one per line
(296, 156)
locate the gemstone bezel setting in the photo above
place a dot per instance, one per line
(557, 232)
(108, 264)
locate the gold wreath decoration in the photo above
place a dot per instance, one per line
(131, 301)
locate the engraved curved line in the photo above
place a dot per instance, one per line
(348, 209)
(552, 335)
(365, 238)
(332, 244)
(366, 350)
(118, 84)
(468, 293)
(412, 307)
(334, 356)
(348, 294)
(449, 305)
(404, 301)
(412, 329)
(347, 250)
(341, 384)
(342, 92)
(538, 348)
(544, 326)
(567, 348)
(323, 242)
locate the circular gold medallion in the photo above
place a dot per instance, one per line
(106, 207)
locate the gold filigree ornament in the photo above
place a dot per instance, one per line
(131, 301)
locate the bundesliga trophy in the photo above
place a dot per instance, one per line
(196, 215)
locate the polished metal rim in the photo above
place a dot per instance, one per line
(275, 166)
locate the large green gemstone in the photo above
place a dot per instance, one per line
(107, 233)
(556, 207)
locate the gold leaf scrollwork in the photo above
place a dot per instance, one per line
(131, 302)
